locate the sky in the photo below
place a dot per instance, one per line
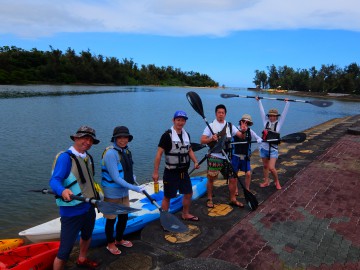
(225, 39)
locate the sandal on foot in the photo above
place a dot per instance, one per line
(264, 184)
(236, 204)
(124, 243)
(89, 264)
(193, 218)
(278, 186)
(114, 251)
(209, 203)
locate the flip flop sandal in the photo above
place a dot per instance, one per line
(114, 251)
(209, 203)
(236, 204)
(89, 264)
(124, 243)
(193, 218)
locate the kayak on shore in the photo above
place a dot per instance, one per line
(50, 231)
(34, 256)
(8, 244)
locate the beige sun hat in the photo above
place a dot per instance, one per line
(247, 118)
(273, 112)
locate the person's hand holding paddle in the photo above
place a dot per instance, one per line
(66, 194)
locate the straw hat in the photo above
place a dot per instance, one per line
(273, 112)
(247, 118)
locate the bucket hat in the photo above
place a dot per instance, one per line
(121, 131)
(85, 131)
(181, 114)
(273, 112)
(247, 118)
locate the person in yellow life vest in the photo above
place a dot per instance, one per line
(73, 174)
(117, 178)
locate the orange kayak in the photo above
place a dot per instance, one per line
(8, 244)
(38, 256)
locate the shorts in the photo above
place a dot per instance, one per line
(70, 228)
(124, 201)
(274, 153)
(240, 164)
(175, 181)
(215, 165)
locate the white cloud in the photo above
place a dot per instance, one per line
(174, 17)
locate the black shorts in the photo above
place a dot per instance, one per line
(175, 181)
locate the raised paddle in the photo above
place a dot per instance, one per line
(197, 146)
(318, 103)
(168, 221)
(290, 138)
(104, 207)
(196, 103)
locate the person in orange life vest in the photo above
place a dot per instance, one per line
(269, 151)
(175, 143)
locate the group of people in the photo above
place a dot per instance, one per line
(73, 174)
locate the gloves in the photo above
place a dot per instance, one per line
(259, 140)
(140, 188)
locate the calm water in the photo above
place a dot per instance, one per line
(33, 130)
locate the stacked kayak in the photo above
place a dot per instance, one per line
(50, 231)
(38, 256)
(8, 244)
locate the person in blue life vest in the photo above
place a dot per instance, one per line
(73, 173)
(216, 160)
(175, 143)
(117, 178)
(269, 152)
(241, 149)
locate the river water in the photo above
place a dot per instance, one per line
(34, 129)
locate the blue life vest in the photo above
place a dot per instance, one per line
(124, 165)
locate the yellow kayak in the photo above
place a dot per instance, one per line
(8, 244)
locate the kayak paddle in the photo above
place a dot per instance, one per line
(104, 207)
(197, 146)
(196, 103)
(290, 138)
(168, 221)
(317, 103)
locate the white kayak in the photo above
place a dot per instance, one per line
(50, 231)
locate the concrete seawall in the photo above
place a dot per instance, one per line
(312, 223)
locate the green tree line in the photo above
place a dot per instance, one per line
(329, 79)
(18, 66)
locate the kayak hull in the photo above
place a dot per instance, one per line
(38, 256)
(8, 244)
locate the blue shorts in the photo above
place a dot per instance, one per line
(274, 153)
(70, 228)
(240, 165)
(175, 181)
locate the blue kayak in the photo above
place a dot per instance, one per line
(149, 212)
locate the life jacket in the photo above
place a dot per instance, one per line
(178, 157)
(223, 132)
(80, 180)
(125, 168)
(270, 133)
(243, 149)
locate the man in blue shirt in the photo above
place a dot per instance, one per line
(73, 173)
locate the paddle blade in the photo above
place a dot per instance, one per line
(228, 95)
(251, 200)
(196, 146)
(219, 146)
(171, 223)
(114, 208)
(195, 102)
(320, 103)
(294, 138)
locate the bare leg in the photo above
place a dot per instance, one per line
(165, 203)
(232, 189)
(186, 206)
(272, 169)
(266, 172)
(59, 264)
(247, 180)
(84, 247)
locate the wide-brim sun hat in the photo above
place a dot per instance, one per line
(247, 118)
(121, 131)
(85, 131)
(274, 112)
(181, 114)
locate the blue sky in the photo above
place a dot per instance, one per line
(227, 39)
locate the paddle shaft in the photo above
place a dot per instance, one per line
(316, 103)
(290, 138)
